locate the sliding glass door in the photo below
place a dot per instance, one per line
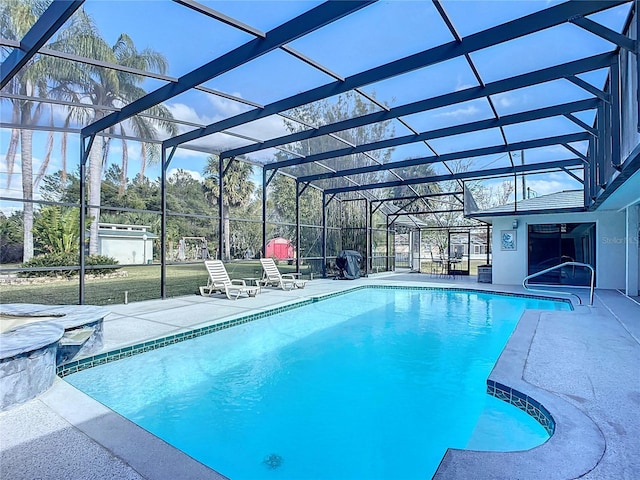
(551, 244)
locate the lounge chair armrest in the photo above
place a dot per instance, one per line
(288, 276)
(238, 282)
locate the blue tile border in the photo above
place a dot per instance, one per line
(528, 405)
(124, 352)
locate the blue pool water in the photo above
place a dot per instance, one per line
(376, 383)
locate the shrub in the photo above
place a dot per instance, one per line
(66, 260)
(93, 260)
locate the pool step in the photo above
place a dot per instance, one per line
(77, 337)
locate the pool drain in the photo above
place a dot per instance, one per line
(272, 461)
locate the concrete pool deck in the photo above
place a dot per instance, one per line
(584, 363)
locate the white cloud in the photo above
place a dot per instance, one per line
(505, 101)
(460, 85)
(459, 112)
(262, 129)
(225, 108)
(183, 112)
(552, 185)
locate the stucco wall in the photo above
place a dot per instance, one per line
(510, 267)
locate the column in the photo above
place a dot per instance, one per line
(631, 269)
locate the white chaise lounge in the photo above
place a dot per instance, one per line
(273, 277)
(219, 281)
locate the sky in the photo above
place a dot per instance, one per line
(372, 36)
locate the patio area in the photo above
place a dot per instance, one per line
(581, 365)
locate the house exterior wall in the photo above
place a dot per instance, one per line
(510, 267)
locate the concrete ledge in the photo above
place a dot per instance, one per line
(574, 449)
(68, 316)
(72, 318)
(147, 454)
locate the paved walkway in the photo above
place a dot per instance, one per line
(584, 362)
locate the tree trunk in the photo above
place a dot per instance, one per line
(26, 157)
(95, 184)
(11, 154)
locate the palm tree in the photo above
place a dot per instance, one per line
(104, 89)
(17, 17)
(237, 192)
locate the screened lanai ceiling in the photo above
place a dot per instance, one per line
(389, 99)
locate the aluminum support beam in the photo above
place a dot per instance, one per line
(615, 116)
(221, 208)
(308, 22)
(514, 29)
(446, 132)
(590, 173)
(492, 172)
(56, 14)
(588, 87)
(612, 36)
(426, 212)
(298, 251)
(439, 194)
(600, 149)
(478, 152)
(608, 142)
(265, 184)
(473, 93)
(368, 257)
(576, 152)
(573, 175)
(209, 12)
(630, 167)
(163, 219)
(85, 147)
(581, 124)
(324, 235)
(388, 245)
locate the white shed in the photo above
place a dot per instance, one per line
(128, 244)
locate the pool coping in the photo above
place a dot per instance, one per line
(575, 448)
(102, 358)
(147, 454)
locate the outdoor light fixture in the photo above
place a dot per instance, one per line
(515, 223)
(144, 248)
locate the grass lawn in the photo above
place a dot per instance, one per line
(141, 283)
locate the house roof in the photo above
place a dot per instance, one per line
(565, 201)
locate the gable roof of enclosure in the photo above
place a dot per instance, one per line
(383, 99)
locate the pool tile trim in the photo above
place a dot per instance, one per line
(527, 404)
(107, 357)
(131, 350)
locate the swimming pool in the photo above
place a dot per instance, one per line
(375, 383)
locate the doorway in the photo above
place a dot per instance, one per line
(459, 259)
(555, 243)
